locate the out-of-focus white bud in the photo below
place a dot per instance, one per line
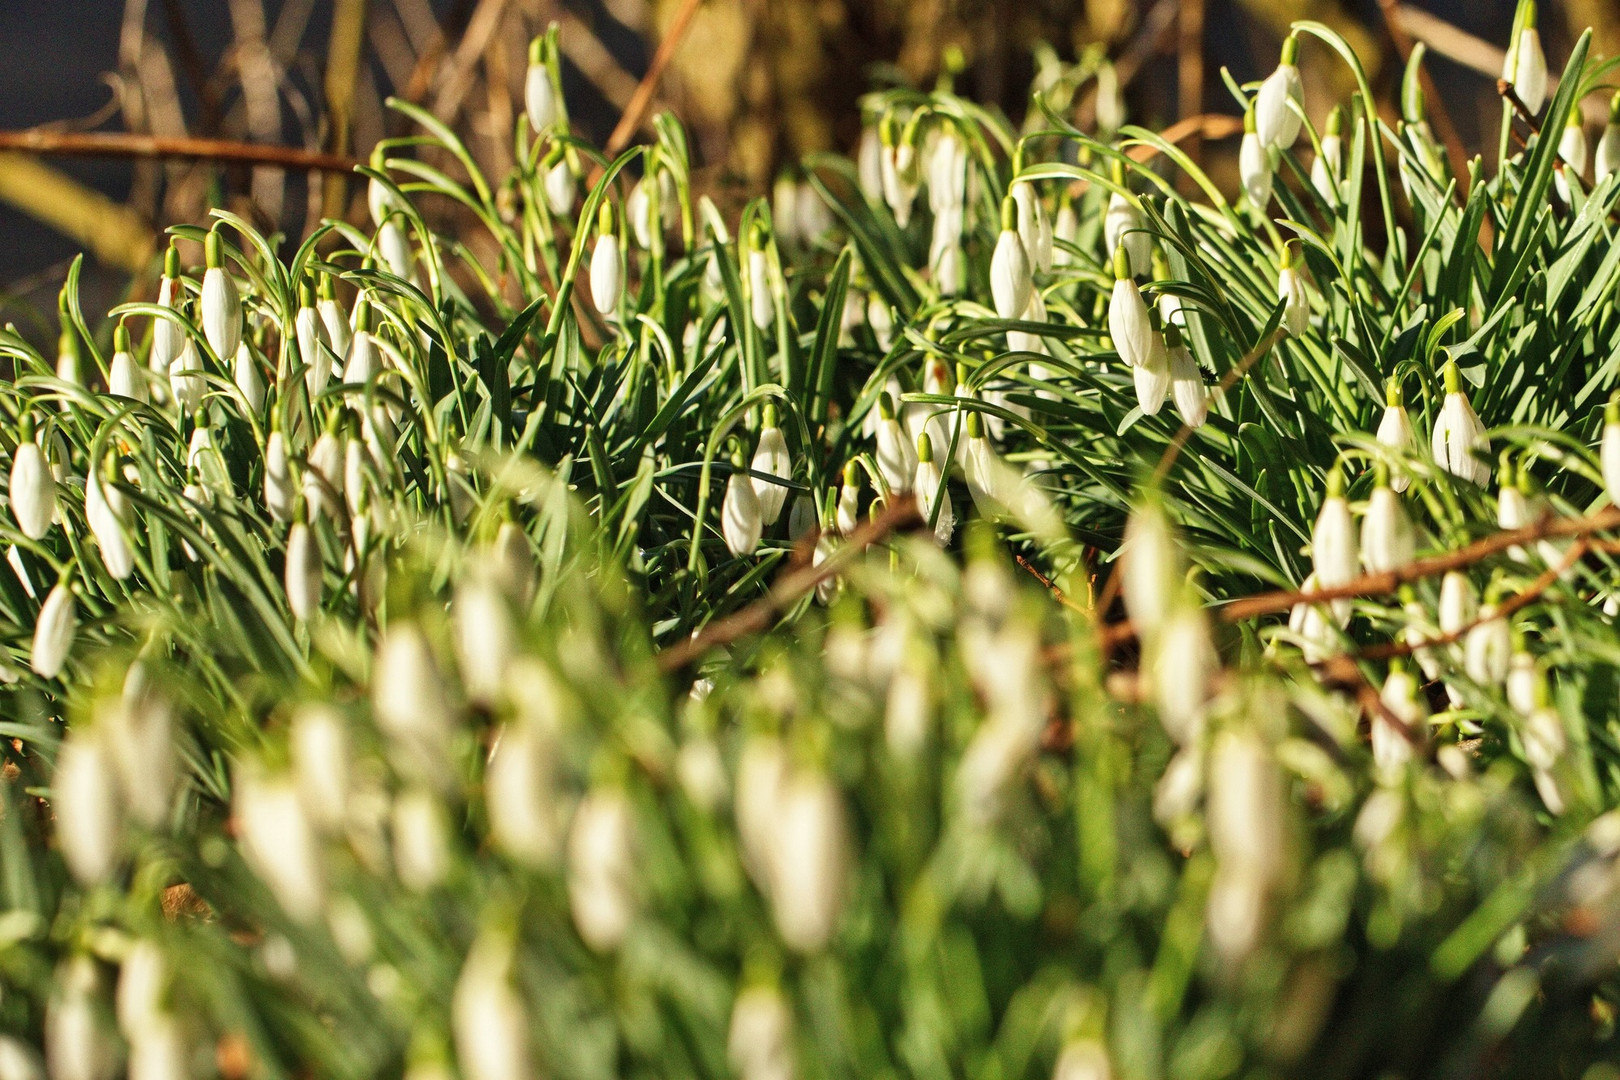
(105, 512)
(1034, 227)
(53, 632)
(421, 840)
(249, 381)
(78, 1045)
(484, 636)
(1129, 324)
(741, 518)
(759, 1044)
(318, 745)
(1329, 164)
(303, 576)
(899, 172)
(409, 698)
(1609, 455)
(1458, 434)
(520, 792)
(607, 265)
(1608, 147)
(759, 289)
(1245, 812)
(1545, 740)
(1083, 1059)
(1333, 538)
(1010, 271)
(32, 488)
(1388, 540)
(539, 93)
(1573, 152)
(1392, 747)
(323, 479)
(1276, 106)
(277, 841)
(139, 732)
(771, 457)
(84, 797)
(1523, 682)
(869, 164)
(142, 983)
(279, 492)
(487, 1016)
(1458, 604)
(1153, 568)
(601, 868)
(1487, 648)
(160, 1051)
(761, 772)
(560, 187)
(221, 303)
(1183, 662)
(811, 861)
(1254, 166)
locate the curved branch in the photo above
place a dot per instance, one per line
(118, 144)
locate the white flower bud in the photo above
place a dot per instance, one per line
(1010, 281)
(324, 479)
(607, 274)
(771, 457)
(1458, 604)
(1152, 376)
(881, 320)
(1609, 455)
(185, 377)
(1276, 106)
(1296, 301)
(167, 334)
(1607, 162)
(1545, 741)
(142, 982)
(900, 181)
(1183, 663)
(140, 737)
(540, 98)
(1395, 432)
(759, 1045)
(1124, 225)
(336, 321)
(362, 362)
(303, 573)
(896, 455)
(484, 637)
(487, 1016)
(759, 289)
(421, 840)
(160, 1051)
(1083, 1059)
(1572, 149)
(314, 349)
(249, 380)
(741, 519)
(1458, 434)
(1326, 168)
(318, 745)
(1153, 568)
(410, 703)
(1129, 324)
(396, 251)
(279, 492)
(810, 861)
(221, 311)
(53, 632)
(77, 1044)
(520, 791)
(1391, 747)
(1487, 648)
(1388, 540)
(559, 188)
(1034, 227)
(277, 841)
(1255, 170)
(33, 490)
(601, 869)
(1333, 539)
(1529, 75)
(84, 797)
(869, 164)
(761, 772)
(931, 493)
(124, 376)
(105, 511)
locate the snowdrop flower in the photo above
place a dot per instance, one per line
(1545, 740)
(363, 360)
(601, 868)
(947, 173)
(1065, 228)
(1392, 747)
(1333, 539)
(559, 184)
(880, 319)
(759, 1043)
(810, 861)
(409, 699)
(898, 169)
(1245, 816)
(318, 745)
(1123, 224)
(1183, 663)
(1487, 648)
(143, 979)
(323, 479)
(1152, 376)
(1010, 280)
(950, 269)
(1128, 321)
(277, 841)
(123, 375)
(221, 304)
(159, 1051)
(1527, 64)
(77, 1045)
(1388, 541)
(139, 736)
(1395, 432)
(1034, 227)
(1523, 683)
(1572, 151)
(896, 455)
(1291, 291)
(421, 840)
(848, 515)
(105, 511)
(520, 791)
(185, 377)
(869, 163)
(303, 572)
(1609, 455)
(395, 248)
(771, 458)
(1019, 340)
(32, 486)
(67, 356)
(741, 517)
(1254, 165)
(1083, 1059)
(1458, 604)
(167, 334)
(762, 770)
(759, 285)
(484, 637)
(607, 264)
(279, 493)
(249, 381)
(487, 1016)
(1458, 434)
(930, 493)
(986, 474)
(1608, 147)
(85, 801)
(1186, 381)
(540, 95)
(1325, 170)
(1110, 110)
(1276, 106)
(1153, 569)
(53, 632)
(339, 330)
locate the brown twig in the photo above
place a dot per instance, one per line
(1204, 126)
(123, 145)
(1058, 594)
(641, 101)
(788, 589)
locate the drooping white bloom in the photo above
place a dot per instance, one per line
(487, 1016)
(896, 454)
(771, 457)
(363, 360)
(1487, 648)
(1608, 147)
(1152, 376)
(277, 841)
(1388, 540)
(249, 381)
(124, 376)
(159, 1051)
(323, 478)
(607, 265)
(759, 1044)
(1183, 662)
(1276, 107)
(1254, 167)
(303, 572)
(1329, 164)
(1458, 434)
(484, 636)
(53, 632)
(539, 94)
(1010, 280)
(810, 861)
(899, 173)
(1186, 381)
(869, 164)
(1021, 341)
(1333, 538)
(421, 840)
(1529, 67)
(1392, 747)
(32, 489)
(318, 745)
(741, 519)
(142, 981)
(409, 698)
(1245, 816)
(1458, 603)
(139, 735)
(759, 289)
(77, 1044)
(1395, 432)
(1034, 227)
(933, 497)
(221, 303)
(84, 798)
(167, 334)
(1129, 324)
(520, 791)
(1154, 567)
(559, 187)
(1572, 150)
(601, 868)
(1083, 1059)
(1545, 740)
(334, 319)
(1523, 682)
(185, 377)
(105, 511)
(1123, 224)
(395, 248)
(1609, 456)
(279, 492)
(1295, 300)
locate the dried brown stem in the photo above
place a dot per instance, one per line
(789, 588)
(641, 101)
(123, 145)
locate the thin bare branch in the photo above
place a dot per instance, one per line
(123, 145)
(635, 113)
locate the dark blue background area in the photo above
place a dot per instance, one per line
(54, 56)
